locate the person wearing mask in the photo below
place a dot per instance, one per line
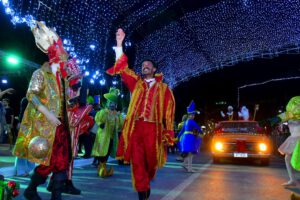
(22, 166)
(44, 135)
(109, 122)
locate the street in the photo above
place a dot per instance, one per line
(230, 180)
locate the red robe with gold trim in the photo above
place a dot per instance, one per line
(154, 104)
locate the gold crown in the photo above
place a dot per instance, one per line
(44, 36)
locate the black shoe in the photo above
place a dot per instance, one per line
(120, 162)
(142, 195)
(95, 162)
(50, 185)
(59, 182)
(57, 190)
(70, 189)
(30, 192)
(86, 156)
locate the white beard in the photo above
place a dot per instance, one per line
(54, 67)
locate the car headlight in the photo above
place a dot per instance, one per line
(219, 146)
(262, 147)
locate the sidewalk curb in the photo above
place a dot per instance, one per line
(10, 171)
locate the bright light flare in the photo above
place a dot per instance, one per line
(219, 146)
(12, 60)
(263, 147)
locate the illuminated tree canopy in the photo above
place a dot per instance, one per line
(185, 43)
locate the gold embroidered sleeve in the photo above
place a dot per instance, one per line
(169, 109)
(35, 88)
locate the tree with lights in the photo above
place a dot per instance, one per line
(148, 126)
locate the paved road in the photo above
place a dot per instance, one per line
(231, 180)
(6, 158)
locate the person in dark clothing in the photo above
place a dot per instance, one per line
(23, 106)
(9, 116)
(2, 123)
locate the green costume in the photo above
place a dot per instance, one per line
(112, 121)
(292, 110)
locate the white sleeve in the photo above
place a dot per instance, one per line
(240, 114)
(118, 51)
(222, 114)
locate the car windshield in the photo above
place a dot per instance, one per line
(238, 127)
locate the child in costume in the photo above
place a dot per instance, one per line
(110, 121)
(189, 139)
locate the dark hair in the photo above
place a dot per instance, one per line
(153, 63)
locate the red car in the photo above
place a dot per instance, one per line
(240, 139)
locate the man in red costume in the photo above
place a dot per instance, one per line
(148, 127)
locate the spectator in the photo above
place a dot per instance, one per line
(2, 123)
(9, 116)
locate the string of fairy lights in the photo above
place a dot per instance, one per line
(201, 41)
(222, 35)
(84, 26)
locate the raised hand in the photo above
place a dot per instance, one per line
(120, 35)
(9, 91)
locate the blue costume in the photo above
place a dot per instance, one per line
(189, 139)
